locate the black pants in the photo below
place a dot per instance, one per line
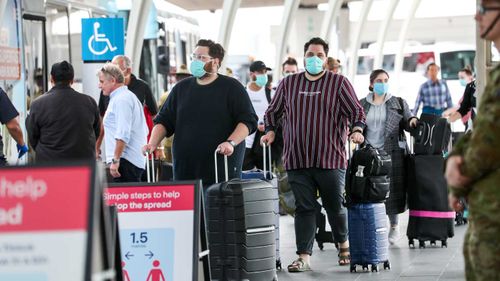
(305, 184)
(128, 172)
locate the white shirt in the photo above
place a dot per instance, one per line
(260, 104)
(124, 120)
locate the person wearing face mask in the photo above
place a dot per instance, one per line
(259, 95)
(289, 67)
(384, 114)
(467, 108)
(473, 167)
(206, 112)
(315, 108)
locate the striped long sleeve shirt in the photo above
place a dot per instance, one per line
(315, 116)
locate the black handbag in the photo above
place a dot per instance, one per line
(368, 176)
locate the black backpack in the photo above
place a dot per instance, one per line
(432, 135)
(368, 176)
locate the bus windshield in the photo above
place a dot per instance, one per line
(453, 62)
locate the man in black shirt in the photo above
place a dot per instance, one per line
(8, 114)
(206, 112)
(63, 124)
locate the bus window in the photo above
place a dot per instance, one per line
(365, 65)
(388, 63)
(417, 62)
(452, 62)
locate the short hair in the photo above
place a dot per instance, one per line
(62, 72)
(467, 70)
(113, 71)
(127, 62)
(374, 75)
(316, 41)
(290, 61)
(432, 64)
(215, 50)
(332, 62)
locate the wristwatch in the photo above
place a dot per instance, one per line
(115, 161)
(231, 142)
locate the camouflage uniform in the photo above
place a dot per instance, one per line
(481, 153)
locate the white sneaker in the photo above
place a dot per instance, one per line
(393, 234)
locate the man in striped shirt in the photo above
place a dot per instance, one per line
(317, 107)
(433, 94)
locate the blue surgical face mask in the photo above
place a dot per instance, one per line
(314, 65)
(261, 80)
(463, 82)
(197, 68)
(380, 88)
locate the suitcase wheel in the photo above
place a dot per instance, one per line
(421, 244)
(353, 268)
(387, 265)
(433, 243)
(374, 268)
(278, 265)
(411, 243)
(444, 244)
(365, 267)
(320, 245)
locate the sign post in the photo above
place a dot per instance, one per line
(159, 227)
(49, 223)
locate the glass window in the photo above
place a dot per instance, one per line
(452, 62)
(365, 65)
(417, 62)
(57, 34)
(75, 17)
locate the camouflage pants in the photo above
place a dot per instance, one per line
(482, 241)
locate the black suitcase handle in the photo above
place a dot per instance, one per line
(266, 155)
(151, 177)
(225, 166)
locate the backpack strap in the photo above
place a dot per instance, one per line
(268, 94)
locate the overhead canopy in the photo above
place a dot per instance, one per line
(217, 4)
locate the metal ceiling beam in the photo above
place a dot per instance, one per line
(330, 18)
(291, 7)
(398, 66)
(382, 35)
(356, 44)
(135, 31)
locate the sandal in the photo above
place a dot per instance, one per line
(298, 265)
(344, 256)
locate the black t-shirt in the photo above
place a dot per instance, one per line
(7, 113)
(202, 117)
(469, 100)
(141, 89)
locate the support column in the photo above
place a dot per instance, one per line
(398, 66)
(356, 44)
(382, 35)
(3, 3)
(330, 18)
(291, 6)
(229, 9)
(135, 31)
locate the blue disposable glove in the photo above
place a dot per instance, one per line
(21, 149)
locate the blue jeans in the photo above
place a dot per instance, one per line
(305, 184)
(128, 172)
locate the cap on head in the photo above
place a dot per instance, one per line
(62, 72)
(258, 66)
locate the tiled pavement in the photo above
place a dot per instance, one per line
(429, 264)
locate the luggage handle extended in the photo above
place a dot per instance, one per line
(225, 166)
(150, 167)
(264, 145)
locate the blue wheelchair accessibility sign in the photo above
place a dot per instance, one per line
(102, 38)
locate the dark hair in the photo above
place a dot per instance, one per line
(431, 64)
(331, 63)
(62, 72)
(467, 70)
(289, 61)
(316, 41)
(374, 75)
(215, 50)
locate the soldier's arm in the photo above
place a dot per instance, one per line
(482, 155)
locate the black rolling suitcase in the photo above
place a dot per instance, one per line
(241, 230)
(432, 135)
(431, 219)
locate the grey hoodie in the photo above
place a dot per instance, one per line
(375, 121)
